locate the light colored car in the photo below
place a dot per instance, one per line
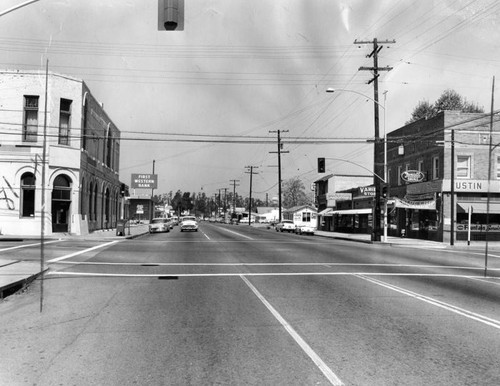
(188, 223)
(305, 229)
(159, 225)
(285, 226)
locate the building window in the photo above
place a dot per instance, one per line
(400, 171)
(435, 168)
(84, 124)
(27, 195)
(464, 166)
(30, 122)
(420, 166)
(388, 177)
(64, 121)
(498, 166)
(306, 216)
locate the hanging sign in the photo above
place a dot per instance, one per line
(420, 205)
(412, 176)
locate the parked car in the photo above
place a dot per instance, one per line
(285, 226)
(305, 229)
(159, 225)
(188, 223)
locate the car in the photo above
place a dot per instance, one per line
(285, 226)
(188, 223)
(305, 229)
(159, 224)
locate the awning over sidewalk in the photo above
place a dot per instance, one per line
(326, 212)
(478, 207)
(353, 211)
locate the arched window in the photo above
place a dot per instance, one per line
(28, 183)
(62, 188)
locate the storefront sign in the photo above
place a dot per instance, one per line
(412, 176)
(420, 205)
(478, 227)
(340, 196)
(367, 191)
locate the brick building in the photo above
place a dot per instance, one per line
(450, 154)
(82, 188)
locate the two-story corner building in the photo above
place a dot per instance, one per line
(438, 179)
(80, 160)
(327, 195)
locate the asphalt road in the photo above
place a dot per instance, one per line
(234, 305)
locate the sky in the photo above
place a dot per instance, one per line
(206, 102)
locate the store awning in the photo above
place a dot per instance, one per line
(326, 213)
(478, 207)
(353, 211)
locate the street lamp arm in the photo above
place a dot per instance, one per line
(17, 7)
(332, 90)
(361, 166)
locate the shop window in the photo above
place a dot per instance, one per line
(30, 122)
(435, 168)
(64, 121)
(27, 195)
(463, 166)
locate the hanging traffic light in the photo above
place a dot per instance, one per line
(171, 15)
(321, 165)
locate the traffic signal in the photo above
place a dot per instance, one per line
(170, 15)
(384, 191)
(321, 165)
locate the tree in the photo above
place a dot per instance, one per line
(294, 193)
(449, 100)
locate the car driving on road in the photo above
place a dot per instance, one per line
(159, 225)
(189, 223)
(285, 226)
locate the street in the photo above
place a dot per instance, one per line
(237, 305)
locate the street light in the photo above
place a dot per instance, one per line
(377, 179)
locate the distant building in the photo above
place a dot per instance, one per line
(327, 194)
(82, 188)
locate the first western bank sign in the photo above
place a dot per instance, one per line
(144, 181)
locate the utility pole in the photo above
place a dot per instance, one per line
(378, 156)
(234, 194)
(279, 152)
(251, 172)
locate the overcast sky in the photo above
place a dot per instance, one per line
(241, 69)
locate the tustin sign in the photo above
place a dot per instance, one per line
(144, 181)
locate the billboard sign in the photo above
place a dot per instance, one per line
(144, 181)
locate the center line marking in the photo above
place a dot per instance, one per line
(236, 233)
(327, 372)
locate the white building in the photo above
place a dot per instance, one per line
(80, 162)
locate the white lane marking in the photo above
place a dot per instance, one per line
(449, 307)
(29, 245)
(236, 233)
(329, 374)
(82, 252)
(204, 234)
(367, 274)
(285, 265)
